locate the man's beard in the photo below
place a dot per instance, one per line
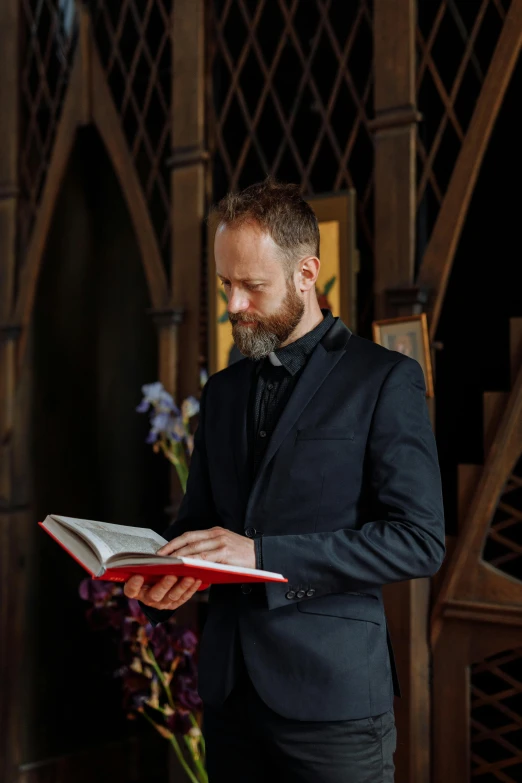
(271, 332)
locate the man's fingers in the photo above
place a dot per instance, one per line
(168, 602)
(178, 592)
(158, 591)
(133, 586)
(188, 538)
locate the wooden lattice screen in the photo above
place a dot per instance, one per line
(135, 47)
(455, 44)
(496, 722)
(48, 40)
(503, 548)
(291, 96)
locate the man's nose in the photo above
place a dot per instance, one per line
(237, 302)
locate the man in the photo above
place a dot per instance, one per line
(315, 458)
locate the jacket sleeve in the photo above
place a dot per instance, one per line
(407, 538)
(197, 510)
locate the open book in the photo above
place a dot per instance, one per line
(116, 552)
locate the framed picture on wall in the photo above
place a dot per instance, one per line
(336, 285)
(408, 335)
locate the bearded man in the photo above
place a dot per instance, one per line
(315, 458)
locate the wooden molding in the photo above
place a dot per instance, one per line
(438, 259)
(480, 612)
(190, 155)
(394, 117)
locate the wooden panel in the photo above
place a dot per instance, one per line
(450, 711)
(13, 535)
(11, 538)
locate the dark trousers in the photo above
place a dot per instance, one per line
(247, 742)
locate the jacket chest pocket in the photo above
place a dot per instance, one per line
(332, 460)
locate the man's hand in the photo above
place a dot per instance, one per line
(217, 545)
(171, 592)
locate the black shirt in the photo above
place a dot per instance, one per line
(275, 379)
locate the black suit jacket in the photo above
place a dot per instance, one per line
(347, 499)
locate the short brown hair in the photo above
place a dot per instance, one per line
(281, 211)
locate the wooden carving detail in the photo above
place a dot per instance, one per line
(48, 41)
(135, 47)
(292, 97)
(496, 717)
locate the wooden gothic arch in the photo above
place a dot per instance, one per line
(88, 101)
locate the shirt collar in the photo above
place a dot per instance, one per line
(294, 356)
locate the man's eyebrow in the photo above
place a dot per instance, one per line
(243, 279)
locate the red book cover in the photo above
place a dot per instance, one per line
(206, 571)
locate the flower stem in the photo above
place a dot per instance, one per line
(199, 766)
(196, 725)
(160, 677)
(179, 754)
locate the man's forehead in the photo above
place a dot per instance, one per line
(246, 256)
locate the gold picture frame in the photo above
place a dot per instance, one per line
(408, 335)
(337, 282)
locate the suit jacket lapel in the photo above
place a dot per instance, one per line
(319, 366)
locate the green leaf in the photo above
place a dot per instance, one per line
(223, 318)
(223, 295)
(329, 285)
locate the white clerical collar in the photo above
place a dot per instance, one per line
(274, 360)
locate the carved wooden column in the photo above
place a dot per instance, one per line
(188, 184)
(394, 126)
(11, 563)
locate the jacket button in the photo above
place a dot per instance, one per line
(310, 592)
(246, 589)
(290, 594)
(250, 532)
(301, 594)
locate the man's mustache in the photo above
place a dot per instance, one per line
(237, 318)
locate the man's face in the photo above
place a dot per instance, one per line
(264, 306)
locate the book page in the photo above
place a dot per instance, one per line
(109, 540)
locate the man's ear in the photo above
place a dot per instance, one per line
(308, 273)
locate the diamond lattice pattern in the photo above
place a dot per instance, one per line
(291, 97)
(503, 547)
(135, 46)
(48, 39)
(496, 718)
(455, 44)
